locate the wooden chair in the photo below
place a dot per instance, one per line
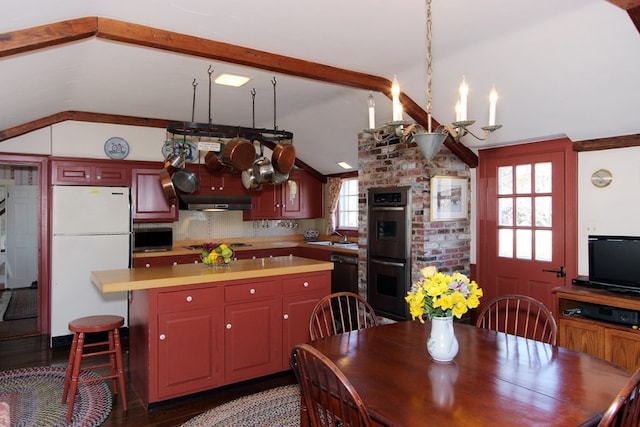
(519, 315)
(625, 409)
(340, 312)
(328, 398)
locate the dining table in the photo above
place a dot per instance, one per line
(496, 379)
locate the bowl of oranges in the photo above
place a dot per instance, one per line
(216, 254)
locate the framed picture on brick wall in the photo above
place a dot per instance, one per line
(449, 198)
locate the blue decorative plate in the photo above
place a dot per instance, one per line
(116, 148)
(175, 146)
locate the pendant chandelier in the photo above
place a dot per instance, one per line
(429, 141)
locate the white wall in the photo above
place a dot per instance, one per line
(612, 210)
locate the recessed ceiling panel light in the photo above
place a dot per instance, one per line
(344, 165)
(231, 80)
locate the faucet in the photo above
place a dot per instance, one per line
(344, 237)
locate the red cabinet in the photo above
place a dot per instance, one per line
(149, 201)
(185, 339)
(74, 172)
(222, 183)
(167, 260)
(253, 330)
(300, 197)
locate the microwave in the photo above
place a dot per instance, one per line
(153, 239)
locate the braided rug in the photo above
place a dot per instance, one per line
(278, 407)
(34, 396)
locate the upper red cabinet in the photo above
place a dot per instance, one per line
(73, 172)
(148, 199)
(300, 197)
(222, 183)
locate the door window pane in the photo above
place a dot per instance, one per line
(523, 211)
(543, 211)
(505, 180)
(523, 179)
(505, 243)
(543, 245)
(505, 212)
(543, 177)
(523, 244)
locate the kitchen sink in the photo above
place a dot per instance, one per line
(346, 245)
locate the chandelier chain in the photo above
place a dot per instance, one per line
(429, 65)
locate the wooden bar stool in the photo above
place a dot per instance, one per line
(86, 325)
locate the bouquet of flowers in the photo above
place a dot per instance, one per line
(216, 253)
(442, 295)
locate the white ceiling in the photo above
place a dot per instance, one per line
(561, 67)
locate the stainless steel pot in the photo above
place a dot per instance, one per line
(249, 180)
(263, 170)
(186, 181)
(279, 178)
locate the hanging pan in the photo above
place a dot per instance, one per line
(283, 157)
(239, 153)
(249, 180)
(212, 162)
(186, 181)
(167, 185)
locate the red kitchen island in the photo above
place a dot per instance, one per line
(194, 328)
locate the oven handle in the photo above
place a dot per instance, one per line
(389, 263)
(388, 208)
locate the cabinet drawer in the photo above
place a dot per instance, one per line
(251, 291)
(189, 299)
(306, 283)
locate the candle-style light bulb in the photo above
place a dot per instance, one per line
(457, 110)
(493, 100)
(372, 111)
(395, 98)
(464, 93)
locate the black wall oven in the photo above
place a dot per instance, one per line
(389, 251)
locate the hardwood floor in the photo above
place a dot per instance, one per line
(34, 351)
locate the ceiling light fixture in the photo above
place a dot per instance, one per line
(428, 141)
(344, 165)
(231, 80)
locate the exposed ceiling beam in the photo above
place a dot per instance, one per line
(67, 31)
(633, 9)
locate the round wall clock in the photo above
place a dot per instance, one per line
(601, 178)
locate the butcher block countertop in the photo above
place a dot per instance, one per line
(131, 279)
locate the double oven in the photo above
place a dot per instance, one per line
(389, 251)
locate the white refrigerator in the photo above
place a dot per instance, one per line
(91, 230)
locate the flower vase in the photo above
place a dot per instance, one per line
(442, 344)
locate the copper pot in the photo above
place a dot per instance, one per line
(212, 162)
(283, 157)
(167, 185)
(239, 153)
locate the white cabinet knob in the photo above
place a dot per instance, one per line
(286, 316)
(305, 284)
(189, 298)
(147, 265)
(196, 262)
(175, 262)
(228, 325)
(252, 291)
(162, 337)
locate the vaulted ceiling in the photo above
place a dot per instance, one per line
(561, 68)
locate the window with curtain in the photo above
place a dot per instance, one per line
(347, 209)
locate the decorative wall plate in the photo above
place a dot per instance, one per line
(116, 148)
(175, 146)
(601, 178)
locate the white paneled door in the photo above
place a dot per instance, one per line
(23, 211)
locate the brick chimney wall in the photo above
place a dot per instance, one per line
(446, 244)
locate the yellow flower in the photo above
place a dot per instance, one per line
(440, 295)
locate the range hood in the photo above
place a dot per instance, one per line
(197, 202)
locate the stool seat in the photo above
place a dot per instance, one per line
(101, 323)
(87, 325)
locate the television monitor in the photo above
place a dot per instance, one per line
(614, 263)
